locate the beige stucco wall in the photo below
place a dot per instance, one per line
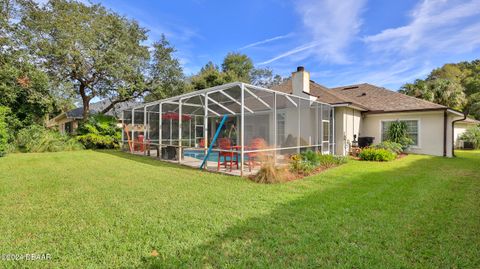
(60, 122)
(431, 130)
(347, 123)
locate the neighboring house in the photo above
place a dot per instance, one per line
(67, 122)
(366, 110)
(461, 127)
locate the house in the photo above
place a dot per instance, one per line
(460, 128)
(365, 110)
(248, 123)
(67, 122)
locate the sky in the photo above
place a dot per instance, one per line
(386, 43)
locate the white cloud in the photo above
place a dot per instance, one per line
(436, 25)
(268, 40)
(291, 52)
(330, 26)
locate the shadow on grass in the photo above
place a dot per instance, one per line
(411, 216)
(144, 159)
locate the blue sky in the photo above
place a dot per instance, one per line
(341, 42)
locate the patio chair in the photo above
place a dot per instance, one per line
(229, 158)
(256, 157)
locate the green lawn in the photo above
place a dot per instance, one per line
(108, 209)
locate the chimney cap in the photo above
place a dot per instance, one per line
(300, 69)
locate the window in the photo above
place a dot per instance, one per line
(412, 130)
(68, 127)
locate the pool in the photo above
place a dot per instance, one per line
(198, 154)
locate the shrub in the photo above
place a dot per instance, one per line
(304, 163)
(328, 161)
(391, 146)
(99, 132)
(472, 135)
(379, 155)
(37, 138)
(269, 174)
(397, 132)
(4, 134)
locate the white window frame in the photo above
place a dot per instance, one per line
(418, 146)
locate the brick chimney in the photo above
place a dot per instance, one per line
(301, 83)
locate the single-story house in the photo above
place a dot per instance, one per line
(365, 110)
(67, 122)
(460, 128)
(248, 122)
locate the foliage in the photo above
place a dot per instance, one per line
(304, 163)
(328, 161)
(210, 76)
(4, 133)
(391, 146)
(24, 88)
(240, 65)
(269, 174)
(235, 67)
(307, 161)
(99, 51)
(453, 85)
(99, 132)
(166, 74)
(36, 138)
(379, 155)
(397, 133)
(472, 135)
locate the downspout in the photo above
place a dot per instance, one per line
(445, 133)
(453, 133)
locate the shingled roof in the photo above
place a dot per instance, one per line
(367, 96)
(379, 99)
(321, 92)
(77, 113)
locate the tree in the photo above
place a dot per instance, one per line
(24, 88)
(240, 65)
(96, 50)
(418, 89)
(453, 85)
(448, 93)
(166, 74)
(235, 67)
(211, 76)
(450, 72)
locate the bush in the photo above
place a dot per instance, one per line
(37, 138)
(306, 162)
(328, 161)
(379, 155)
(391, 146)
(268, 174)
(99, 132)
(472, 135)
(397, 132)
(4, 134)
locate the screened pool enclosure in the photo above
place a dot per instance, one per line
(233, 128)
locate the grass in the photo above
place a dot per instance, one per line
(109, 209)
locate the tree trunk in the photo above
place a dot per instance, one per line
(85, 102)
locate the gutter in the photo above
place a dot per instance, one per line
(453, 133)
(405, 110)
